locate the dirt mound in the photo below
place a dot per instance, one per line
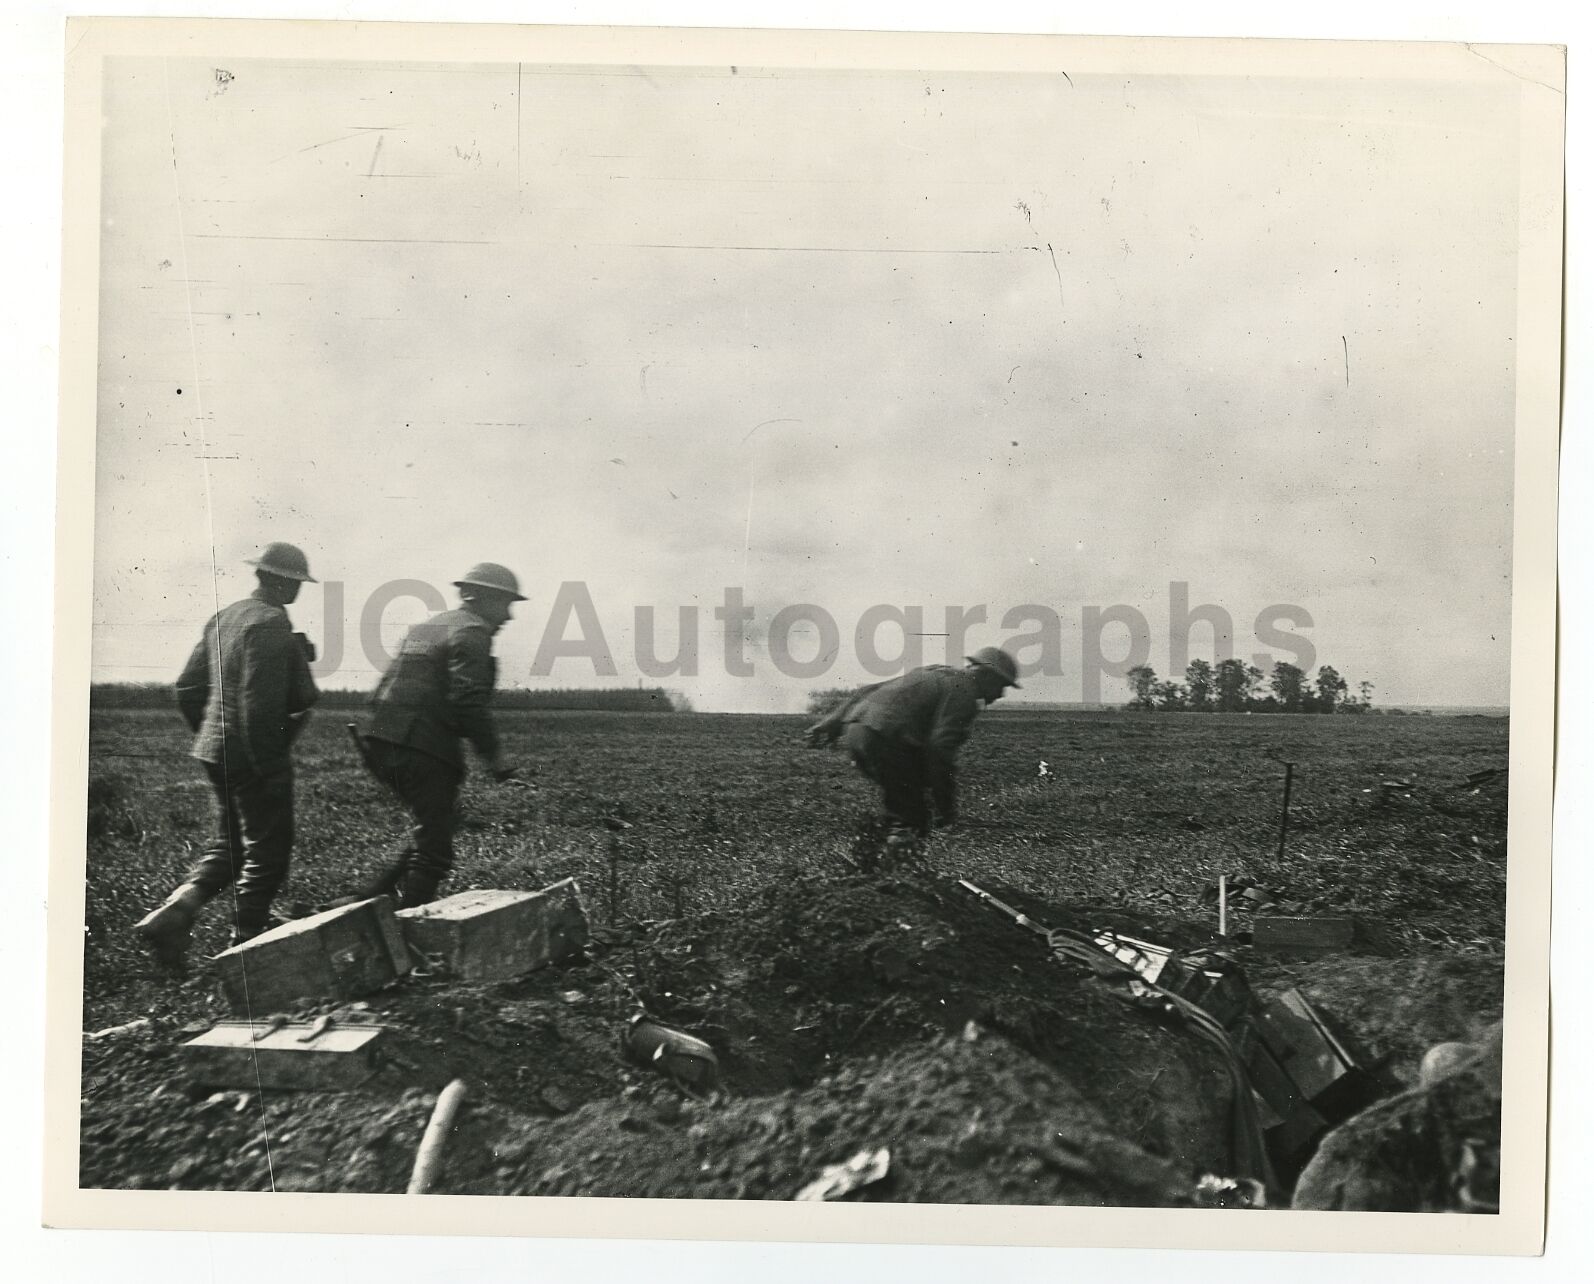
(1434, 1148)
(819, 973)
(966, 1119)
(804, 997)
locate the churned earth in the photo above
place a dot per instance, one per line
(849, 1012)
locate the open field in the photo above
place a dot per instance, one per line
(736, 917)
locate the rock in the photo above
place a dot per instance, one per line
(1433, 1148)
(557, 1101)
(1442, 1059)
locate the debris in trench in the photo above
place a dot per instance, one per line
(1229, 1192)
(684, 1057)
(1302, 937)
(1294, 1076)
(840, 1180)
(1129, 979)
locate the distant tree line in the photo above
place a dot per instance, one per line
(1233, 686)
(159, 695)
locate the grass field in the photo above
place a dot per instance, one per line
(1143, 811)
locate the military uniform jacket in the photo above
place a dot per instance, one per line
(436, 692)
(246, 688)
(932, 708)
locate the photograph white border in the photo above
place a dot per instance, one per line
(1518, 1228)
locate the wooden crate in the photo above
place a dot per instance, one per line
(298, 1055)
(1301, 937)
(340, 954)
(494, 934)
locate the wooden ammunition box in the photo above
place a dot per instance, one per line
(490, 935)
(250, 1054)
(1301, 937)
(340, 954)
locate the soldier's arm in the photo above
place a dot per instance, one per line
(954, 719)
(193, 684)
(268, 651)
(825, 731)
(471, 675)
(302, 692)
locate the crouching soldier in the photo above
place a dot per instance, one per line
(434, 695)
(246, 692)
(905, 735)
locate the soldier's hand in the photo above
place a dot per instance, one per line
(821, 735)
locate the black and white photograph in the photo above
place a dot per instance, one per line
(872, 622)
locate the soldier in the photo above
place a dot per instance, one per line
(905, 735)
(246, 692)
(435, 694)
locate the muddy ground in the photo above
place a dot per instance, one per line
(848, 1013)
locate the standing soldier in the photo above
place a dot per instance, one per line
(905, 735)
(246, 692)
(435, 694)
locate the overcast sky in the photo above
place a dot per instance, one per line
(835, 338)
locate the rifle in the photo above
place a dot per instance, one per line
(1023, 920)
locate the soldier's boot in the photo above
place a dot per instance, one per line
(246, 928)
(387, 882)
(418, 887)
(168, 929)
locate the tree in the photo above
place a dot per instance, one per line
(1143, 682)
(1288, 684)
(1366, 688)
(1232, 679)
(1253, 684)
(1331, 688)
(1172, 697)
(1200, 685)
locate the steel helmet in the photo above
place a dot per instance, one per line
(1000, 662)
(284, 561)
(490, 575)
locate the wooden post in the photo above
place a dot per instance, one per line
(1284, 818)
(1223, 904)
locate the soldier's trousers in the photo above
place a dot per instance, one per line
(252, 841)
(429, 788)
(898, 769)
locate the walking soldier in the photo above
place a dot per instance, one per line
(905, 734)
(435, 694)
(246, 693)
